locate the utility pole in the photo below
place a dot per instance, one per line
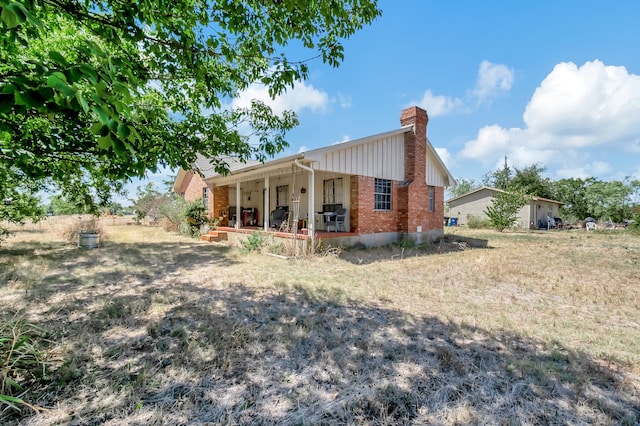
(506, 173)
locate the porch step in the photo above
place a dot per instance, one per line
(215, 236)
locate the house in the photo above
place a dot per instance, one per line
(473, 205)
(390, 184)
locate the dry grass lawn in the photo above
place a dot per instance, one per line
(153, 328)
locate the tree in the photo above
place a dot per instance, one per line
(62, 205)
(93, 93)
(17, 203)
(462, 186)
(499, 179)
(149, 201)
(530, 181)
(601, 200)
(503, 212)
(572, 192)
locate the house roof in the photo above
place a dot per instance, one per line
(326, 158)
(489, 188)
(207, 169)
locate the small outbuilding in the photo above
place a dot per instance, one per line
(538, 213)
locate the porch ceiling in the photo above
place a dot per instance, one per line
(260, 172)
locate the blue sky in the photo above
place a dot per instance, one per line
(550, 82)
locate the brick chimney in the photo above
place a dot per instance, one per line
(416, 143)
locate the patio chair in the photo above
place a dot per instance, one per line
(278, 216)
(338, 219)
(590, 226)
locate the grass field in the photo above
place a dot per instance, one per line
(153, 328)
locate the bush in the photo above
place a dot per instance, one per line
(173, 212)
(83, 224)
(475, 222)
(196, 217)
(254, 242)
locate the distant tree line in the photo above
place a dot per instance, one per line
(614, 201)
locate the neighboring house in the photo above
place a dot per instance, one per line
(391, 185)
(473, 205)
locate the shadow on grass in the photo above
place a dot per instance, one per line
(191, 354)
(448, 244)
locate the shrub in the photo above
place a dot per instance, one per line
(173, 212)
(254, 242)
(475, 222)
(196, 217)
(503, 212)
(83, 224)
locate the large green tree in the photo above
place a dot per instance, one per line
(602, 200)
(531, 181)
(94, 93)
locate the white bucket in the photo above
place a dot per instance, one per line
(88, 240)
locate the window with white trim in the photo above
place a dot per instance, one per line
(382, 194)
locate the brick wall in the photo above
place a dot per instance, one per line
(192, 187)
(221, 204)
(364, 219)
(410, 199)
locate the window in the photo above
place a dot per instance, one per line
(382, 194)
(332, 191)
(432, 199)
(205, 198)
(282, 195)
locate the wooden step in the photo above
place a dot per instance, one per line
(215, 236)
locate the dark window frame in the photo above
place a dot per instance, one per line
(432, 198)
(205, 198)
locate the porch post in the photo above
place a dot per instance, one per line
(265, 215)
(238, 210)
(311, 229)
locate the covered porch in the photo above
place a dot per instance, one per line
(287, 197)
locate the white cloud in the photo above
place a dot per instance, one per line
(587, 106)
(437, 104)
(493, 79)
(344, 139)
(303, 148)
(573, 108)
(595, 168)
(344, 101)
(302, 96)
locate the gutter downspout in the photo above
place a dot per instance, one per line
(311, 226)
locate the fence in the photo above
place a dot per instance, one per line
(51, 222)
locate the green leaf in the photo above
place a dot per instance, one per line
(83, 102)
(13, 14)
(27, 99)
(58, 81)
(105, 142)
(123, 131)
(96, 129)
(101, 113)
(89, 72)
(58, 58)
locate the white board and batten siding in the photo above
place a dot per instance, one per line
(436, 174)
(382, 158)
